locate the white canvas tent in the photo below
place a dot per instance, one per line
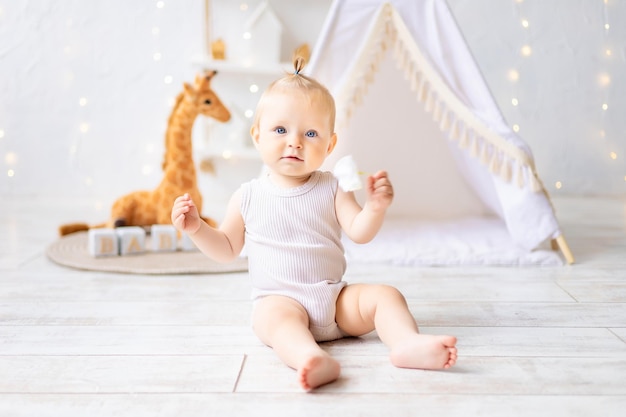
(411, 100)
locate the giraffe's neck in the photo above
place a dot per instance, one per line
(178, 148)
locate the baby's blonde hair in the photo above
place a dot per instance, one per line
(298, 82)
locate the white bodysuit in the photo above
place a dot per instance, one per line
(293, 243)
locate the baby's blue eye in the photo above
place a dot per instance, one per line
(311, 134)
(280, 130)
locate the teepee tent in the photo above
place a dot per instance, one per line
(411, 100)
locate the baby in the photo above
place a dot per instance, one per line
(291, 220)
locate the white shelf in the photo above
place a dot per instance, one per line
(229, 67)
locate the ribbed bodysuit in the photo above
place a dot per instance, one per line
(293, 243)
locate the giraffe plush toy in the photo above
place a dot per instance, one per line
(145, 208)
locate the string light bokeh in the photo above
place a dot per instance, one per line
(84, 108)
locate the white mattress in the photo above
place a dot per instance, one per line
(470, 241)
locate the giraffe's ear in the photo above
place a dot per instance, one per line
(189, 90)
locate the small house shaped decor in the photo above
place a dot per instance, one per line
(263, 32)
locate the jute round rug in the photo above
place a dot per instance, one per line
(72, 251)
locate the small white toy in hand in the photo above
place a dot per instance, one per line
(347, 173)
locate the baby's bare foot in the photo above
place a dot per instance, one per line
(317, 371)
(425, 352)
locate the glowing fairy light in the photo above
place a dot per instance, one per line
(168, 79)
(243, 7)
(525, 24)
(249, 113)
(160, 4)
(526, 50)
(82, 102)
(516, 128)
(604, 79)
(514, 102)
(10, 158)
(605, 106)
(254, 88)
(558, 185)
(1, 133)
(227, 154)
(613, 155)
(84, 127)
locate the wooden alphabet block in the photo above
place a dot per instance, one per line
(163, 238)
(187, 244)
(132, 240)
(103, 242)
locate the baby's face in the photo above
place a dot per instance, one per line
(294, 136)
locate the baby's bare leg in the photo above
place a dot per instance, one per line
(283, 324)
(362, 308)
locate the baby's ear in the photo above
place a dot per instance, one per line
(331, 145)
(254, 133)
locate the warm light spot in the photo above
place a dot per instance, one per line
(1, 133)
(602, 133)
(513, 75)
(613, 156)
(243, 7)
(608, 52)
(84, 127)
(525, 23)
(249, 113)
(10, 173)
(10, 158)
(605, 106)
(247, 35)
(82, 101)
(160, 4)
(516, 128)
(168, 79)
(607, 26)
(514, 102)
(156, 56)
(254, 88)
(558, 185)
(604, 79)
(519, 1)
(146, 170)
(227, 154)
(526, 50)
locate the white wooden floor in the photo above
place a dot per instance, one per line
(532, 342)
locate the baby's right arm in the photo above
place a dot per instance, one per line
(222, 244)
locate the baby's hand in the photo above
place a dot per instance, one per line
(379, 191)
(185, 216)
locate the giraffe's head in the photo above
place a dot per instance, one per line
(204, 98)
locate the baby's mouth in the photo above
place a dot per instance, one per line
(292, 157)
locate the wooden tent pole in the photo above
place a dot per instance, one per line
(560, 244)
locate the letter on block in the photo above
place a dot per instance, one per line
(103, 242)
(132, 240)
(187, 244)
(164, 238)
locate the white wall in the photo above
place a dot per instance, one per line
(562, 85)
(55, 52)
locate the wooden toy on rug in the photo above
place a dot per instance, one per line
(145, 208)
(123, 241)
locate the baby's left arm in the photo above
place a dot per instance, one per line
(362, 224)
